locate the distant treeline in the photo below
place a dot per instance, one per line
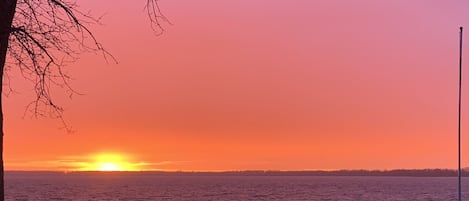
(398, 172)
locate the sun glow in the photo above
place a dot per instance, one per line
(109, 167)
(109, 162)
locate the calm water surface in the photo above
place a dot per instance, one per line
(121, 186)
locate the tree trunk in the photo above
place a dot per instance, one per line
(7, 12)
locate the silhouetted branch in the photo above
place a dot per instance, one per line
(46, 35)
(156, 16)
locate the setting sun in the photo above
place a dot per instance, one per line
(109, 162)
(109, 167)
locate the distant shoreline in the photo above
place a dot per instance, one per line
(391, 173)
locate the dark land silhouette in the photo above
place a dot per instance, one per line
(396, 172)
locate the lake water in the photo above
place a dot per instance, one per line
(122, 186)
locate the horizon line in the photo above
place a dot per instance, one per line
(247, 170)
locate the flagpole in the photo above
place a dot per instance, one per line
(459, 115)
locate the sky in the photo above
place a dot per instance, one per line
(256, 85)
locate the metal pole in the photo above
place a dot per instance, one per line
(459, 115)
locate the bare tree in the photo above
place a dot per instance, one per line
(40, 37)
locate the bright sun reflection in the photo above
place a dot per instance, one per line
(109, 162)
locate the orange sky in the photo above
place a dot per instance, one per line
(257, 84)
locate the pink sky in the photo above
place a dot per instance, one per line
(257, 84)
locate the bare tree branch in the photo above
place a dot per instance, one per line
(156, 16)
(46, 35)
